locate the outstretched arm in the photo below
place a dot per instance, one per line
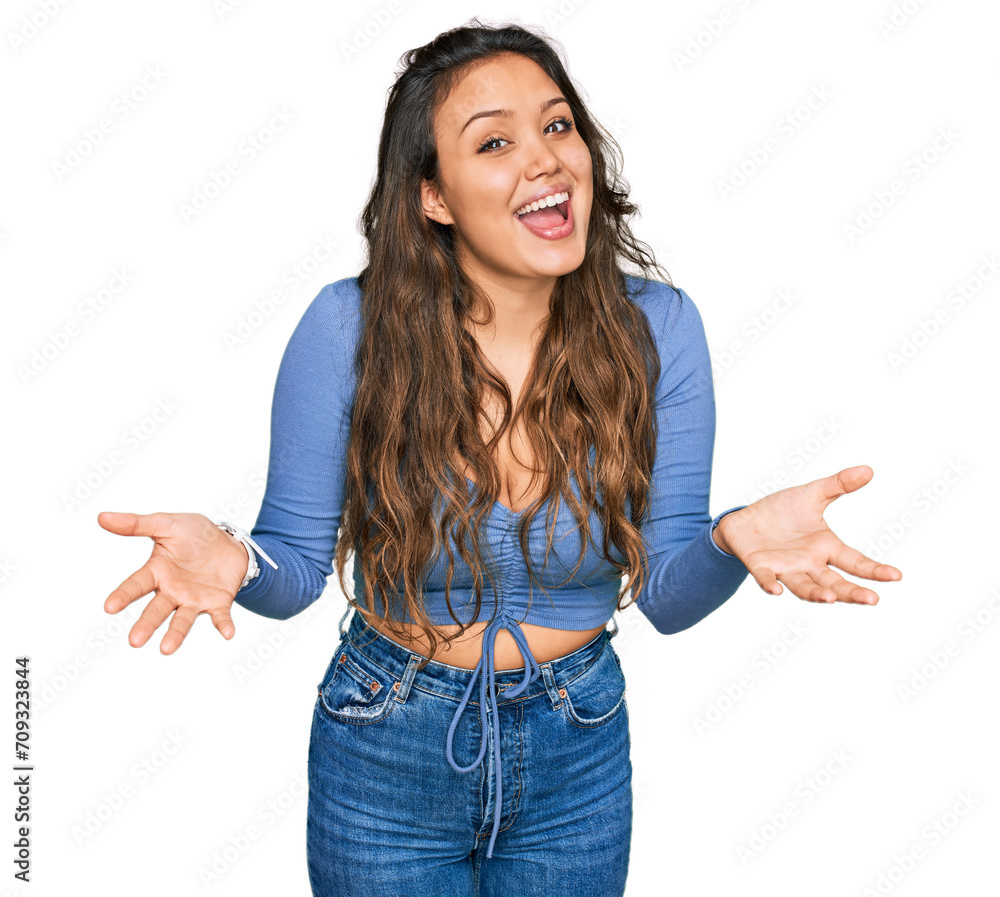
(689, 574)
(301, 510)
(782, 539)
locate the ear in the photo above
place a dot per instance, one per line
(434, 207)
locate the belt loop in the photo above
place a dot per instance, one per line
(343, 631)
(550, 685)
(408, 674)
(612, 633)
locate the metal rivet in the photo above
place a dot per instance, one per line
(562, 692)
(374, 686)
(396, 686)
(343, 657)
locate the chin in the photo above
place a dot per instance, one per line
(564, 263)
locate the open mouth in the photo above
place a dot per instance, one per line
(540, 212)
(545, 220)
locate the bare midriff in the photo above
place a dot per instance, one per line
(545, 643)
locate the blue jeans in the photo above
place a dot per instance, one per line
(388, 815)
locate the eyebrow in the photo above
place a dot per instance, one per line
(506, 113)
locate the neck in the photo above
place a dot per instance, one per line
(521, 308)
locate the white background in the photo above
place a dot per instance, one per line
(691, 91)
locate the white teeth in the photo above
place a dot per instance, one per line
(552, 200)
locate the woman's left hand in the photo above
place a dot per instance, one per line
(783, 538)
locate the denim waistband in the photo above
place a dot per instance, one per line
(450, 681)
(495, 686)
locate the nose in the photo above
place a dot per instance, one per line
(540, 157)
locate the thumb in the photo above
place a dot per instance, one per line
(850, 479)
(127, 524)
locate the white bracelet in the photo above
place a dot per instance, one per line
(253, 570)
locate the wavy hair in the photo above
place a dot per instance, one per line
(415, 408)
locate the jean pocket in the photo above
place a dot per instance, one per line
(597, 695)
(355, 692)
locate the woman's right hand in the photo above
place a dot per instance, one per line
(195, 568)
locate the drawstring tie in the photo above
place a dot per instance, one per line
(531, 672)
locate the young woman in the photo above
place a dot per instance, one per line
(492, 361)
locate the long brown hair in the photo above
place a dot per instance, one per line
(420, 377)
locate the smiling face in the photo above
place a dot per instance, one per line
(491, 165)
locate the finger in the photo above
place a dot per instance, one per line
(128, 524)
(223, 621)
(180, 626)
(803, 585)
(767, 580)
(140, 583)
(150, 619)
(845, 590)
(850, 560)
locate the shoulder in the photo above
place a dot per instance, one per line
(323, 344)
(332, 319)
(337, 305)
(673, 317)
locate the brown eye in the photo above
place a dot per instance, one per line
(484, 146)
(568, 124)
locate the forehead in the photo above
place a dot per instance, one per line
(507, 82)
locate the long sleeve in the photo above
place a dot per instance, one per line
(689, 575)
(300, 513)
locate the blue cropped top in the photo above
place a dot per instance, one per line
(299, 518)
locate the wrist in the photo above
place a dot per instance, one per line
(240, 552)
(246, 551)
(241, 536)
(719, 539)
(722, 529)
